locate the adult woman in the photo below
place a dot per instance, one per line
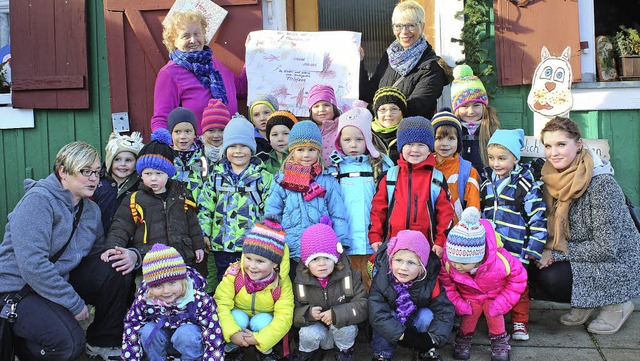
(49, 245)
(410, 64)
(593, 247)
(193, 75)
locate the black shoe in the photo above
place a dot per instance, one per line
(298, 355)
(380, 358)
(272, 356)
(429, 355)
(343, 355)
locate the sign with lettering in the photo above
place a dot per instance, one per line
(533, 148)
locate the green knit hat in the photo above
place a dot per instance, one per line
(466, 88)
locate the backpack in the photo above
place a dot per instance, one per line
(464, 172)
(138, 214)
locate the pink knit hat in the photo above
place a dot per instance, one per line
(320, 240)
(215, 115)
(360, 118)
(321, 92)
(413, 241)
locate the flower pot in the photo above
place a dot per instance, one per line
(630, 67)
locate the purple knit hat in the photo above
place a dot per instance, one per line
(320, 240)
(163, 264)
(413, 241)
(360, 118)
(321, 92)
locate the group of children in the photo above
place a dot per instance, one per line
(323, 224)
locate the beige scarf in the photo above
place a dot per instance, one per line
(560, 190)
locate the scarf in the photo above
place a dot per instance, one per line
(471, 127)
(324, 281)
(560, 190)
(300, 178)
(252, 286)
(200, 63)
(213, 153)
(404, 306)
(378, 128)
(403, 61)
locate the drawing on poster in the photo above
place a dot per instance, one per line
(213, 13)
(287, 63)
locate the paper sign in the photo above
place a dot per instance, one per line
(286, 64)
(533, 148)
(213, 13)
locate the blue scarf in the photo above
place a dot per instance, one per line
(403, 61)
(200, 63)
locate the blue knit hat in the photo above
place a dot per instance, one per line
(157, 154)
(512, 139)
(415, 130)
(445, 117)
(467, 240)
(305, 134)
(181, 115)
(238, 131)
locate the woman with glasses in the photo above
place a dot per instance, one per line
(49, 258)
(410, 64)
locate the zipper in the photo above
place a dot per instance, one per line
(495, 201)
(253, 303)
(415, 209)
(431, 225)
(409, 198)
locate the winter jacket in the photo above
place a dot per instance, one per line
(194, 171)
(204, 315)
(346, 309)
(298, 214)
(230, 205)
(386, 143)
(450, 167)
(262, 144)
(274, 299)
(165, 222)
(471, 149)
(522, 223)
(422, 85)
(108, 196)
(382, 301)
(271, 162)
(37, 228)
(358, 190)
(410, 206)
(499, 280)
(179, 87)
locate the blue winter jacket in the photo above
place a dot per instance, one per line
(521, 223)
(298, 214)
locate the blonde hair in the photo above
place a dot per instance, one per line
(185, 288)
(75, 156)
(409, 9)
(177, 20)
(488, 125)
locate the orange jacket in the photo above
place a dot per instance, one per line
(450, 167)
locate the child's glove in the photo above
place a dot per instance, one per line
(413, 338)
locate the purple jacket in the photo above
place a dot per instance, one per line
(494, 282)
(176, 86)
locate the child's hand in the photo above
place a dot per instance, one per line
(375, 246)
(207, 244)
(248, 338)
(199, 255)
(239, 339)
(325, 317)
(105, 256)
(316, 312)
(437, 250)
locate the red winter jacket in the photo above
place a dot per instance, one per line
(414, 184)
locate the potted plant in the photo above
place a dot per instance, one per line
(627, 43)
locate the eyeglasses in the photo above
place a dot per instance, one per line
(393, 111)
(408, 264)
(88, 173)
(411, 27)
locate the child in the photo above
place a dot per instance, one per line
(323, 110)
(171, 311)
(512, 201)
(161, 211)
(480, 278)
(233, 198)
(407, 305)
(389, 105)
(191, 164)
(279, 126)
(259, 111)
(330, 298)
(357, 165)
(413, 194)
(255, 300)
(462, 179)
(121, 177)
(302, 192)
(479, 121)
(215, 118)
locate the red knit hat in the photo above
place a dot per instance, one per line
(215, 115)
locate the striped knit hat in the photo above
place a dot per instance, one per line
(157, 154)
(280, 117)
(163, 264)
(466, 88)
(389, 95)
(320, 240)
(305, 134)
(445, 117)
(266, 239)
(466, 241)
(215, 115)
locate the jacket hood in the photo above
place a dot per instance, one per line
(51, 185)
(600, 166)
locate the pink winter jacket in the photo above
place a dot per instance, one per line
(491, 283)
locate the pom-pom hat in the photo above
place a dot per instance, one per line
(410, 240)
(389, 95)
(415, 130)
(320, 240)
(157, 154)
(163, 264)
(215, 115)
(445, 117)
(305, 134)
(512, 139)
(466, 88)
(360, 118)
(321, 92)
(181, 115)
(122, 143)
(467, 240)
(266, 239)
(238, 131)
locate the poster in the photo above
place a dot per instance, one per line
(286, 64)
(214, 14)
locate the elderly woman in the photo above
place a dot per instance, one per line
(193, 75)
(49, 256)
(410, 64)
(593, 248)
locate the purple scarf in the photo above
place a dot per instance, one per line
(403, 61)
(252, 286)
(405, 307)
(200, 63)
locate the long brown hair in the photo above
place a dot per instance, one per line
(489, 124)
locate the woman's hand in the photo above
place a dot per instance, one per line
(375, 246)
(361, 51)
(83, 315)
(125, 260)
(546, 260)
(199, 255)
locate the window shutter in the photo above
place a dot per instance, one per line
(49, 54)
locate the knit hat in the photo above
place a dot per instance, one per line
(238, 131)
(466, 88)
(512, 139)
(163, 264)
(122, 143)
(157, 154)
(360, 118)
(320, 240)
(415, 130)
(266, 99)
(466, 241)
(181, 115)
(305, 134)
(410, 240)
(215, 115)
(280, 117)
(389, 95)
(321, 92)
(266, 239)
(445, 117)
